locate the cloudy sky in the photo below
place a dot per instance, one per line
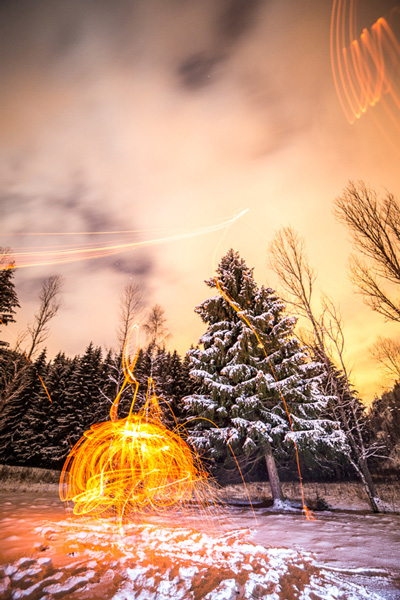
(166, 117)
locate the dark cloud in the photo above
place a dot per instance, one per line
(81, 212)
(139, 265)
(29, 287)
(237, 19)
(95, 217)
(197, 70)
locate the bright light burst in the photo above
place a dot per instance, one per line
(129, 466)
(125, 467)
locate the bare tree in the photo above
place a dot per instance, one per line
(50, 304)
(157, 336)
(13, 367)
(155, 327)
(374, 225)
(326, 342)
(387, 352)
(289, 261)
(130, 310)
(131, 307)
(14, 363)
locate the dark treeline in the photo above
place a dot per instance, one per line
(384, 427)
(55, 401)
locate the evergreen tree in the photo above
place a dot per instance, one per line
(143, 370)
(174, 387)
(346, 407)
(246, 379)
(163, 379)
(30, 439)
(83, 394)
(384, 424)
(58, 379)
(13, 365)
(8, 296)
(107, 386)
(188, 385)
(13, 419)
(171, 382)
(111, 381)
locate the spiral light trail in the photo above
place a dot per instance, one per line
(365, 68)
(126, 467)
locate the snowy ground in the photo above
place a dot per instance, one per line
(46, 554)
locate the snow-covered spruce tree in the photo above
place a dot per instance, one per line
(8, 296)
(60, 376)
(178, 385)
(30, 439)
(83, 393)
(14, 417)
(244, 379)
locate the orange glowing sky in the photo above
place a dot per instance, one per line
(165, 117)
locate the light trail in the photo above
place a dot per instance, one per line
(69, 254)
(365, 68)
(127, 467)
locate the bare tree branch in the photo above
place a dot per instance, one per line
(288, 260)
(131, 307)
(287, 257)
(387, 352)
(155, 327)
(374, 225)
(50, 304)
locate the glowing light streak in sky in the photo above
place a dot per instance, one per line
(72, 253)
(365, 69)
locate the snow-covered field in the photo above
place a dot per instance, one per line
(47, 554)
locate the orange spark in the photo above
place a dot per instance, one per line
(365, 70)
(124, 467)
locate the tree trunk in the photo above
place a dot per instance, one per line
(362, 469)
(358, 460)
(273, 476)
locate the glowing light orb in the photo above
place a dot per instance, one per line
(124, 467)
(128, 466)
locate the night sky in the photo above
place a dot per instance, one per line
(165, 117)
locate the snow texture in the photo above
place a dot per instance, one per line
(152, 561)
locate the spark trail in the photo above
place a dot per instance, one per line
(125, 467)
(53, 255)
